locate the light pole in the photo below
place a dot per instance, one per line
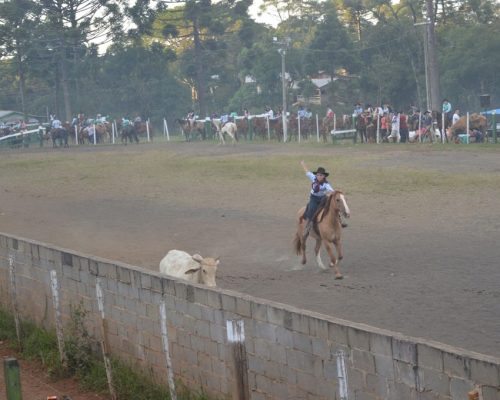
(282, 50)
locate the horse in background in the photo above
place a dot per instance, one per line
(141, 128)
(129, 133)
(229, 128)
(327, 230)
(59, 135)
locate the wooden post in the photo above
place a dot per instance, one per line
(54, 286)
(95, 134)
(12, 379)
(104, 341)
(147, 129)
(166, 349)
(250, 127)
(76, 134)
(494, 126)
(236, 340)
(13, 296)
(113, 131)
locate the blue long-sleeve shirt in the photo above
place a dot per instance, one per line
(319, 189)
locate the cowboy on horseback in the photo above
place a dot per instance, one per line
(320, 187)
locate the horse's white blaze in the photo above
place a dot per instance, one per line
(346, 207)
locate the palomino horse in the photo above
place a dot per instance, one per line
(229, 129)
(327, 230)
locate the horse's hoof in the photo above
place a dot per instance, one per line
(339, 276)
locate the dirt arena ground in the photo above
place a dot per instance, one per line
(421, 250)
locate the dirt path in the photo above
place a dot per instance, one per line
(424, 264)
(37, 385)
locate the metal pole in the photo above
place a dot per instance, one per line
(147, 129)
(283, 81)
(378, 129)
(95, 134)
(76, 134)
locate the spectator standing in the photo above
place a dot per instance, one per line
(447, 109)
(403, 127)
(394, 136)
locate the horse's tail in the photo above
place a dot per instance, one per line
(297, 244)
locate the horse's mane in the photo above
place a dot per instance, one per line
(324, 207)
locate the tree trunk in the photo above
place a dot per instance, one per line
(22, 89)
(65, 88)
(432, 59)
(200, 81)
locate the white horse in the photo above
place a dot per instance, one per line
(229, 128)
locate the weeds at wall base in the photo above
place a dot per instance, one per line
(41, 345)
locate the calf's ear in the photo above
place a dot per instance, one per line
(192, 271)
(197, 258)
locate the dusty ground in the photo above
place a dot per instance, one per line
(37, 385)
(421, 262)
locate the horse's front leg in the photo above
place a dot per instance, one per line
(317, 247)
(333, 260)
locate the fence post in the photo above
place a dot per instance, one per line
(317, 128)
(147, 129)
(268, 128)
(378, 130)
(12, 379)
(166, 129)
(250, 127)
(468, 127)
(95, 134)
(443, 129)
(113, 131)
(419, 127)
(298, 120)
(76, 134)
(494, 121)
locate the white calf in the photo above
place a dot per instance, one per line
(194, 268)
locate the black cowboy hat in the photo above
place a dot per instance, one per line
(322, 171)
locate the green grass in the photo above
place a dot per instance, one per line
(41, 345)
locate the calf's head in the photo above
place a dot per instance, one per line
(207, 269)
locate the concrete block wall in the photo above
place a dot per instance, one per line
(290, 353)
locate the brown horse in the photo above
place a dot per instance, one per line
(327, 230)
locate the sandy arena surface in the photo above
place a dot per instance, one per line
(424, 264)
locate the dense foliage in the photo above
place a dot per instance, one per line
(165, 58)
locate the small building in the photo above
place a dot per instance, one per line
(9, 117)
